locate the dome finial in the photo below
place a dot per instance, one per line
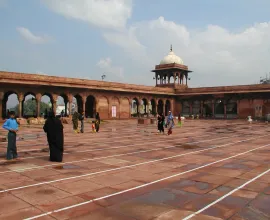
(171, 48)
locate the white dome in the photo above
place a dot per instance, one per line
(172, 58)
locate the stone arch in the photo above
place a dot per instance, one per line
(167, 107)
(90, 106)
(115, 107)
(78, 103)
(135, 107)
(13, 97)
(153, 107)
(207, 109)
(185, 108)
(160, 106)
(103, 107)
(143, 106)
(231, 108)
(219, 109)
(62, 104)
(196, 107)
(29, 105)
(46, 104)
(125, 108)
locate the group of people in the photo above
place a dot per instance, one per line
(76, 117)
(168, 124)
(54, 129)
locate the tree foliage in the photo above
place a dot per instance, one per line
(29, 107)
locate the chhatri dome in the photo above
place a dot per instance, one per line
(171, 58)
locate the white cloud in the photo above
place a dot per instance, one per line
(29, 36)
(103, 13)
(110, 70)
(217, 56)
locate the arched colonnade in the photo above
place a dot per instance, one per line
(108, 106)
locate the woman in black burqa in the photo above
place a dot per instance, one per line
(55, 136)
(97, 122)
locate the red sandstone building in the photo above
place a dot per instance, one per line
(117, 100)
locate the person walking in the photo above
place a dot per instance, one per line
(161, 120)
(82, 122)
(97, 122)
(75, 120)
(11, 125)
(170, 123)
(55, 135)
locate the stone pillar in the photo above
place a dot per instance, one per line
(225, 110)
(38, 100)
(54, 105)
(186, 78)
(20, 99)
(168, 75)
(190, 108)
(213, 109)
(164, 108)
(1, 104)
(201, 108)
(83, 103)
(156, 78)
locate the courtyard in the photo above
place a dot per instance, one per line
(208, 169)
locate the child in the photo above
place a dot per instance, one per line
(12, 126)
(93, 127)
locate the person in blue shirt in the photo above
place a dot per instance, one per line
(12, 126)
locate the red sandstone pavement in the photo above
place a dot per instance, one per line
(205, 170)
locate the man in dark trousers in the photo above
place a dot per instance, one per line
(12, 126)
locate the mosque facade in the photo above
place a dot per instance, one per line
(124, 101)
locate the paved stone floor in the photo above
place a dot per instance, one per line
(208, 169)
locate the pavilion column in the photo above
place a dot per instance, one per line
(54, 106)
(225, 110)
(66, 108)
(168, 78)
(190, 108)
(164, 108)
(186, 79)
(238, 103)
(1, 104)
(20, 99)
(201, 108)
(83, 103)
(38, 100)
(178, 78)
(156, 78)
(213, 109)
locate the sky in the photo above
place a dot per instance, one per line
(223, 42)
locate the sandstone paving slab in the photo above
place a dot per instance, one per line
(193, 186)
(23, 214)
(10, 203)
(140, 210)
(253, 186)
(40, 194)
(78, 187)
(262, 204)
(98, 193)
(104, 214)
(180, 214)
(12, 177)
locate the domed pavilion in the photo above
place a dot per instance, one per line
(171, 72)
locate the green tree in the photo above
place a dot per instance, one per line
(29, 107)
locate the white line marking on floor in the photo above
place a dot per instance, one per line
(143, 185)
(104, 149)
(120, 168)
(226, 195)
(105, 157)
